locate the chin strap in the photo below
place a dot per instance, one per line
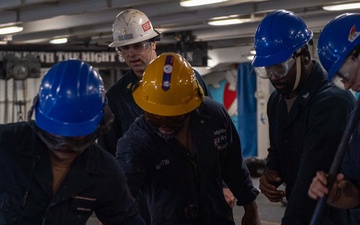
(298, 73)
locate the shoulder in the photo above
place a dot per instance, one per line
(101, 161)
(212, 108)
(17, 136)
(202, 83)
(12, 130)
(334, 94)
(137, 137)
(125, 84)
(212, 103)
(197, 74)
(332, 102)
(326, 90)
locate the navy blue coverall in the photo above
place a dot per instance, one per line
(182, 188)
(350, 167)
(125, 109)
(305, 140)
(95, 183)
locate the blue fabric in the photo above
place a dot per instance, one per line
(247, 109)
(218, 95)
(357, 94)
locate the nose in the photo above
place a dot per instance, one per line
(273, 76)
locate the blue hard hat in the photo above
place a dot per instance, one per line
(278, 36)
(338, 39)
(70, 100)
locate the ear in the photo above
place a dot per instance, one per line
(307, 57)
(153, 45)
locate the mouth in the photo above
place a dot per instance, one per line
(279, 85)
(134, 60)
(64, 154)
(166, 130)
(65, 150)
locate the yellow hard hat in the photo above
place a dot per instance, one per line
(169, 87)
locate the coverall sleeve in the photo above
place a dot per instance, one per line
(350, 166)
(272, 161)
(119, 207)
(131, 157)
(109, 140)
(327, 120)
(234, 170)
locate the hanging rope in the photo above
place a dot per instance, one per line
(25, 94)
(14, 101)
(6, 101)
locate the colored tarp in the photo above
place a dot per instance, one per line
(246, 87)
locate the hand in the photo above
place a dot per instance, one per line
(251, 216)
(343, 194)
(318, 187)
(229, 197)
(269, 182)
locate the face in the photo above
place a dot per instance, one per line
(137, 56)
(348, 76)
(285, 81)
(167, 126)
(65, 152)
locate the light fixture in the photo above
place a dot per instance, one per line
(252, 52)
(227, 20)
(347, 6)
(192, 3)
(10, 30)
(58, 41)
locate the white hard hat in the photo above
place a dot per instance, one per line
(131, 26)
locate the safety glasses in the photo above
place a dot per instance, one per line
(349, 68)
(135, 48)
(170, 121)
(280, 70)
(56, 142)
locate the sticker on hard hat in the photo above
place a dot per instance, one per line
(168, 68)
(146, 26)
(125, 37)
(167, 72)
(353, 34)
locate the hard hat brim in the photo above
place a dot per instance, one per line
(67, 129)
(165, 110)
(152, 35)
